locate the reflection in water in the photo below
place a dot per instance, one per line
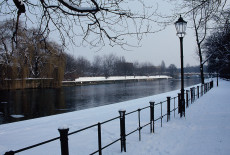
(26, 104)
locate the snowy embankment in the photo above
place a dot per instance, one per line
(204, 130)
(118, 78)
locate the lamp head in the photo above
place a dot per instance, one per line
(180, 25)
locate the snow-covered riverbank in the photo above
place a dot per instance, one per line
(111, 79)
(118, 78)
(204, 130)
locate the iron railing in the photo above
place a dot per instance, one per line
(191, 95)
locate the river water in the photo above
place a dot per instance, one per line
(18, 105)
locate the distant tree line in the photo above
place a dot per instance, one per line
(112, 65)
(194, 69)
(109, 65)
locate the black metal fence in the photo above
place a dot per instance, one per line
(191, 95)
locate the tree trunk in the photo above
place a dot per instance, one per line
(201, 65)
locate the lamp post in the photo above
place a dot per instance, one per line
(180, 25)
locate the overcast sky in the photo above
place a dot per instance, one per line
(155, 48)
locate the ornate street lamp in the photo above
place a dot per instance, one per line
(180, 25)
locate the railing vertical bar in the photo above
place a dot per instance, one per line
(186, 98)
(99, 139)
(139, 123)
(151, 116)
(198, 92)
(161, 114)
(122, 130)
(168, 108)
(64, 140)
(179, 103)
(174, 107)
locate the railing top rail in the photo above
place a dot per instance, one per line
(144, 108)
(110, 120)
(35, 145)
(82, 129)
(132, 112)
(158, 103)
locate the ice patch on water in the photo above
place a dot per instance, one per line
(17, 116)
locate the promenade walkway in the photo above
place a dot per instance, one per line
(204, 131)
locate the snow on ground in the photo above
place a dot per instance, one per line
(112, 78)
(204, 130)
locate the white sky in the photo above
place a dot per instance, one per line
(164, 45)
(155, 47)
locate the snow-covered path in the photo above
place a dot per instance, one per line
(204, 130)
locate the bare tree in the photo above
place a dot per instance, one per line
(83, 66)
(172, 70)
(109, 62)
(95, 22)
(217, 47)
(70, 67)
(162, 67)
(202, 14)
(97, 66)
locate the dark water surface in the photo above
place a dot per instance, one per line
(26, 104)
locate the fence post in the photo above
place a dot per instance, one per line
(217, 80)
(161, 114)
(99, 139)
(191, 92)
(174, 106)
(168, 108)
(179, 103)
(198, 92)
(139, 123)
(122, 130)
(202, 89)
(194, 93)
(151, 116)
(64, 140)
(187, 98)
(205, 88)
